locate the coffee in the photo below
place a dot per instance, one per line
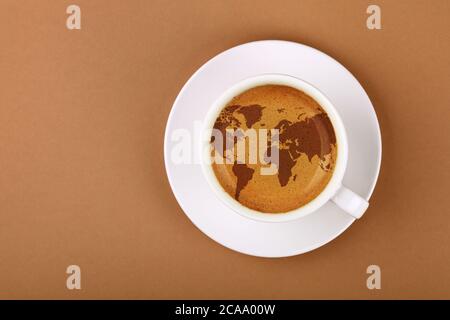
(304, 142)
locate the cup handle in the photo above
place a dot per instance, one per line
(350, 202)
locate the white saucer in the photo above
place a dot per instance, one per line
(216, 219)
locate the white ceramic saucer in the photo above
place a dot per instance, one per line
(216, 219)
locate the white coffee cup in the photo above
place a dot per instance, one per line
(334, 191)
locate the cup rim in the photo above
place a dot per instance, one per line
(341, 138)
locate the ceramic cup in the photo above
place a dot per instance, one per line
(335, 191)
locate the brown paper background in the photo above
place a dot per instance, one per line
(82, 179)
